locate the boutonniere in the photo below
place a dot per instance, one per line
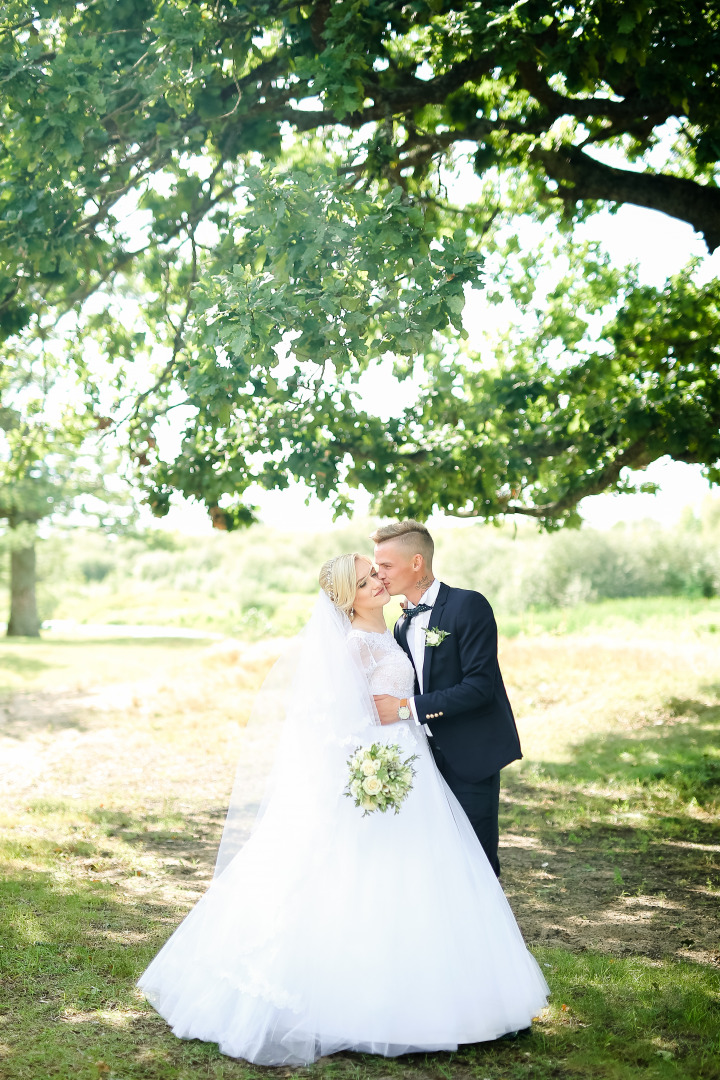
(434, 636)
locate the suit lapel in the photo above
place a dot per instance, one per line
(435, 621)
(401, 633)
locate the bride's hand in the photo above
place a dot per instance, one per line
(387, 707)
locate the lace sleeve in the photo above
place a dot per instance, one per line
(361, 653)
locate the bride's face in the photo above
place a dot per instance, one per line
(370, 593)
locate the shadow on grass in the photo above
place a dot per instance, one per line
(72, 954)
(190, 837)
(52, 928)
(22, 665)
(26, 714)
(678, 761)
(619, 848)
(185, 843)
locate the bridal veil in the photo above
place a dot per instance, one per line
(308, 716)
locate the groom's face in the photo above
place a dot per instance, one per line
(395, 567)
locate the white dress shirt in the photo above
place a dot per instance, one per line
(416, 640)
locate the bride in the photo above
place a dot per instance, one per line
(328, 930)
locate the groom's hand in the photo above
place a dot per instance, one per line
(387, 707)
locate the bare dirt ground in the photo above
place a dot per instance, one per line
(661, 908)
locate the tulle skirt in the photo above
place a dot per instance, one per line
(331, 931)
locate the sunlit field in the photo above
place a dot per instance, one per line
(117, 761)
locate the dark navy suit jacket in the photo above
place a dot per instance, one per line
(463, 699)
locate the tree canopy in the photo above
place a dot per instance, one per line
(270, 185)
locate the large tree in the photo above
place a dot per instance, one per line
(354, 249)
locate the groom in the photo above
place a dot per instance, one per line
(451, 637)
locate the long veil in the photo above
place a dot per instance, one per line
(312, 709)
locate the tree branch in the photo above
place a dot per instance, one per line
(629, 110)
(637, 456)
(582, 177)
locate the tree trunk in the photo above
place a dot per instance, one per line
(24, 620)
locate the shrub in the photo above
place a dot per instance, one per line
(261, 581)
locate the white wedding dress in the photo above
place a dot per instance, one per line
(330, 931)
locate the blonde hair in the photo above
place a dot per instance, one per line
(338, 580)
(413, 535)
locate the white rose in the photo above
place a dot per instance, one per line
(372, 785)
(355, 788)
(370, 767)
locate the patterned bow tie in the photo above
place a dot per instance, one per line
(410, 613)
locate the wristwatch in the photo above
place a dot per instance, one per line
(404, 710)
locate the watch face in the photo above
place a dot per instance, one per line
(404, 712)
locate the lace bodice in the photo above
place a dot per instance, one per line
(387, 667)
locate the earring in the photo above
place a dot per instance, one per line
(352, 613)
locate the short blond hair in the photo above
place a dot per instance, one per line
(338, 580)
(413, 536)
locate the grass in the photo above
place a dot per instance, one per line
(281, 613)
(148, 605)
(658, 616)
(77, 663)
(118, 761)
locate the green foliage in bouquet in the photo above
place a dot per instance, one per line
(379, 778)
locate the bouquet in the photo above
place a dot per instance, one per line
(379, 778)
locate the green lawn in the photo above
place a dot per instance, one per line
(281, 613)
(658, 616)
(117, 762)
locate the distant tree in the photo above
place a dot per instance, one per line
(48, 467)
(166, 108)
